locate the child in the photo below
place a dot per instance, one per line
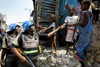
(71, 31)
(85, 31)
(52, 38)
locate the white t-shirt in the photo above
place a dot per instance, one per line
(70, 33)
(71, 20)
(53, 26)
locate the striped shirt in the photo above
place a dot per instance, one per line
(78, 10)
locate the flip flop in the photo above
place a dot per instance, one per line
(77, 57)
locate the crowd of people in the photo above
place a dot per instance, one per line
(79, 26)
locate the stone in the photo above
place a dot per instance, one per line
(79, 65)
(41, 58)
(89, 55)
(58, 61)
(91, 60)
(97, 58)
(72, 62)
(57, 65)
(64, 66)
(95, 39)
(61, 52)
(38, 63)
(47, 65)
(96, 64)
(45, 53)
(52, 65)
(51, 59)
(42, 65)
(44, 61)
(86, 63)
(64, 60)
(94, 49)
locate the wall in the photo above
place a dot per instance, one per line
(45, 8)
(3, 21)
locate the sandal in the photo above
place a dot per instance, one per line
(77, 57)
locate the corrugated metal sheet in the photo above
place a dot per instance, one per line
(47, 8)
(63, 10)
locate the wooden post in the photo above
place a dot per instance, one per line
(38, 9)
(57, 10)
(35, 13)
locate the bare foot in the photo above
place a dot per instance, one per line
(51, 51)
(55, 53)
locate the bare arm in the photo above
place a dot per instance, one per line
(47, 28)
(53, 32)
(74, 24)
(42, 27)
(63, 26)
(42, 31)
(81, 20)
(15, 51)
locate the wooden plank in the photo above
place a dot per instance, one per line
(57, 8)
(38, 8)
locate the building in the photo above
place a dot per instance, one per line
(3, 20)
